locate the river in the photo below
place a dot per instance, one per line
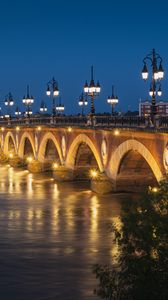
(51, 235)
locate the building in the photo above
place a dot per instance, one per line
(161, 108)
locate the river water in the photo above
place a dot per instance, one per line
(51, 235)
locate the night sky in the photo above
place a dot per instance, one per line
(45, 38)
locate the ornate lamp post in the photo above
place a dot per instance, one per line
(112, 100)
(92, 90)
(28, 101)
(82, 102)
(9, 102)
(43, 107)
(52, 91)
(157, 75)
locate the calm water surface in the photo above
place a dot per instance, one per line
(50, 236)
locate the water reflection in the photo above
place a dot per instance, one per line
(29, 184)
(51, 234)
(94, 219)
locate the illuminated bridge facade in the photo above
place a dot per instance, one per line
(124, 156)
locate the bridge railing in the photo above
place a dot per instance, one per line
(163, 122)
(141, 123)
(124, 121)
(56, 120)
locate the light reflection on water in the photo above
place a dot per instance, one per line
(50, 236)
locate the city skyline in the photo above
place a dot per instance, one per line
(64, 39)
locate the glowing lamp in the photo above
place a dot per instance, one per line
(56, 91)
(160, 72)
(93, 173)
(29, 159)
(48, 92)
(55, 166)
(144, 72)
(116, 132)
(159, 92)
(69, 129)
(86, 88)
(154, 189)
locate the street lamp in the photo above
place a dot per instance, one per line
(28, 112)
(17, 112)
(157, 75)
(112, 100)
(9, 102)
(60, 107)
(43, 107)
(82, 102)
(7, 116)
(92, 90)
(52, 91)
(28, 101)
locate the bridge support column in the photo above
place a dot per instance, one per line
(36, 166)
(63, 174)
(3, 157)
(16, 162)
(102, 184)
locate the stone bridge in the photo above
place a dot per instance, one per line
(123, 159)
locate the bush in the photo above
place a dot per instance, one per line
(141, 268)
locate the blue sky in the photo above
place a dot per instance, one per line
(46, 38)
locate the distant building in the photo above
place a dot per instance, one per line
(145, 108)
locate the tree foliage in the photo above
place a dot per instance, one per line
(141, 269)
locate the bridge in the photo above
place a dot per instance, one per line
(117, 153)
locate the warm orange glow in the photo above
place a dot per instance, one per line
(11, 155)
(69, 129)
(39, 128)
(17, 128)
(55, 166)
(154, 189)
(2, 128)
(29, 159)
(93, 173)
(116, 132)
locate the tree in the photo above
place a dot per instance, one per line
(140, 271)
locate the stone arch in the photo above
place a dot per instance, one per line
(71, 156)
(9, 136)
(26, 135)
(42, 148)
(124, 148)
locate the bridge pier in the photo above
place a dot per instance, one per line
(63, 173)
(3, 157)
(103, 184)
(36, 166)
(16, 162)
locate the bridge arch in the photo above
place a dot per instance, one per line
(123, 149)
(72, 152)
(26, 138)
(43, 145)
(10, 143)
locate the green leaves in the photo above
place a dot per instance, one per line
(141, 271)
